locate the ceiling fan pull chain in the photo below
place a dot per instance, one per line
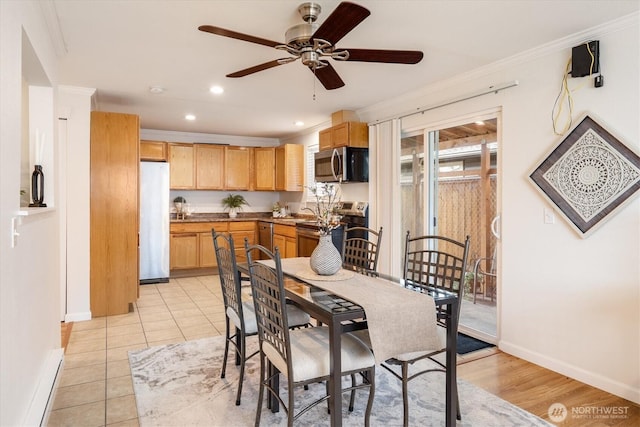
(314, 84)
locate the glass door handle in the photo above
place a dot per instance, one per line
(495, 227)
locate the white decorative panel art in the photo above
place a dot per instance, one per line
(588, 175)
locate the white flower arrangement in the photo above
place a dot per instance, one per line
(328, 196)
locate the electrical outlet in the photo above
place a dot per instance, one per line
(549, 216)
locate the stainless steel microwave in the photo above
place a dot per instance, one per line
(346, 164)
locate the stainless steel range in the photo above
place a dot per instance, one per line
(353, 214)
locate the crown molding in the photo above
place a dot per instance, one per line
(417, 96)
(206, 138)
(50, 15)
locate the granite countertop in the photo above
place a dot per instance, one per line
(254, 216)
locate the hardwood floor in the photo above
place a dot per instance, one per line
(535, 389)
(96, 380)
(65, 333)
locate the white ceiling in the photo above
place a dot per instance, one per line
(123, 47)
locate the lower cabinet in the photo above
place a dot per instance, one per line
(284, 237)
(240, 230)
(191, 244)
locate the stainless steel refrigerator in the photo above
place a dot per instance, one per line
(154, 222)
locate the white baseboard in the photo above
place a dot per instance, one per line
(593, 379)
(77, 317)
(42, 401)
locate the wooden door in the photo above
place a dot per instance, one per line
(290, 167)
(181, 169)
(324, 139)
(184, 250)
(114, 212)
(207, 254)
(237, 168)
(209, 167)
(153, 151)
(265, 161)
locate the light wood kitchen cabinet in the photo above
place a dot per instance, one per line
(113, 230)
(290, 167)
(238, 166)
(183, 250)
(264, 165)
(347, 134)
(240, 230)
(209, 166)
(182, 167)
(153, 151)
(192, 244)
(284, 237)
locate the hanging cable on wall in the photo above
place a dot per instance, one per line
(584, 61)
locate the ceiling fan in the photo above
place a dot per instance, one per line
(311, 43)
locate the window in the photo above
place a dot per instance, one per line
(311, 173)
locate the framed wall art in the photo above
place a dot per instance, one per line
(588, 176)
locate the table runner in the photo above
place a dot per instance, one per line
(399, 320)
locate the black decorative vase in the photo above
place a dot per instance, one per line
(37, 188)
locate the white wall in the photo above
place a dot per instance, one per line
(75, 106)
(566, 303)
(29, 273)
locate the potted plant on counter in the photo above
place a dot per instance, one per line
(233, 203)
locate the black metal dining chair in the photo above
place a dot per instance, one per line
(437, 262)
(238, 314)
(302, 355)
(360, 249)
(429, 262)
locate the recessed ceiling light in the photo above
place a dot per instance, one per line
(156, 89)
(479, 122)
(217, 90)
(190, 117)
(299, 123)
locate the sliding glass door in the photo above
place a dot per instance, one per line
(448, 184)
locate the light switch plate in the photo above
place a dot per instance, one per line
(549, 216)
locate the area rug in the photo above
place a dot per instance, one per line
(180, 385)
(467, 344)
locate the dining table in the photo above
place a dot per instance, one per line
(400, 318)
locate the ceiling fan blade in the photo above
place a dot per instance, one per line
(388, 56)
(239, 36)
(260, 67)
(342, 20)
(328, 76)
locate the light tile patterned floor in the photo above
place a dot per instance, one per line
(95, 388)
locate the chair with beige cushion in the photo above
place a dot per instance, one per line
(360, 249)
(302, 355)
(240, 314)
(429, 262)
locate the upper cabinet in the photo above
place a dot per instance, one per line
(153, 151)
(238, 167)
(290, 167)
(210, 160)
(218, 167)
(182, 167)
(347, 134)
(265, 165)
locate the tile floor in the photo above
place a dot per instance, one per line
(95, 387)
